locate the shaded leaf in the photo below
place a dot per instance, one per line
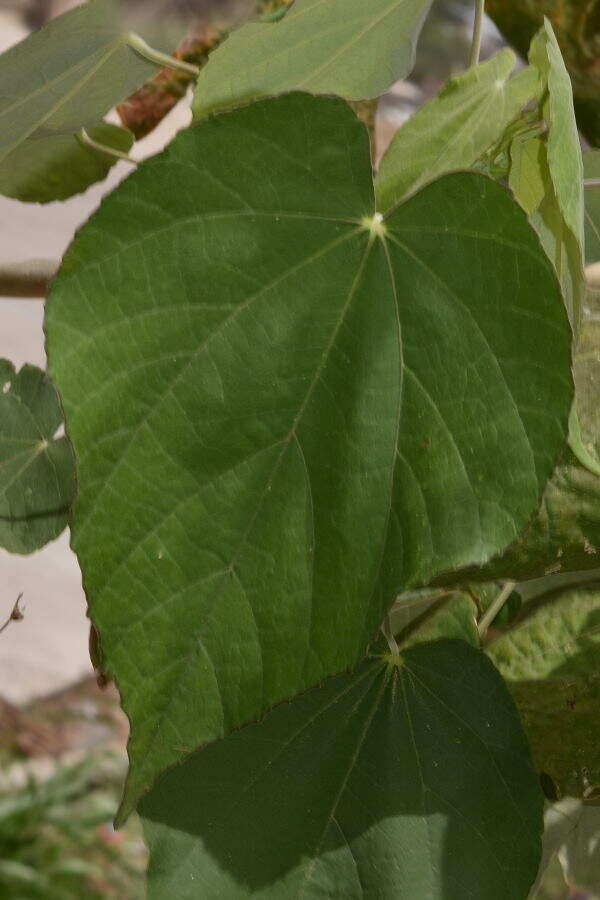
(240, 398)
(410, 780)
(61, 78)
(591, 166)
(526, 174)
(456, 128)
(580, 852)
(551, 660)
(345, 47)
(37, 480)
(55, 167)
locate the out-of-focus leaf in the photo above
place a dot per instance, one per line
(591, 168)
(57, 166)
(63, 77)
(37, 479)
(452, 131)
(410, 779)
(577, 27)
(552, 661)
(345, 47)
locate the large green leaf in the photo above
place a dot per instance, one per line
(456, 128)
(247, 364)
(400, 780)
(62, 78)
(591, 167)
(44, 169)
(564, 535)
(37, 478)
(552, 661)
(345, 47)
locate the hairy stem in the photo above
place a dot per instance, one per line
(477, 30)
(489, 616)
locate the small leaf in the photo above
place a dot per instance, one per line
(452, 131)
(591, 165)
(550, 659)
(59, 79)
(561, 217)
(56, 167)
(37, 480)
(409, 780)
(345, 47)
(526, 179)
(255, 372)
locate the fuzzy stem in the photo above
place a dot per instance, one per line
(489, 616)
(104, 148)
(477, 30)
(155, 56)
(27, 279)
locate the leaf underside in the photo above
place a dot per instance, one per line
(276, 409)
(61, 78)
(409, 781)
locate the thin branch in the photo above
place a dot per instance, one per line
(477, 32)
(27, 279)
(494, 608)
(16, 614)
(592, 183)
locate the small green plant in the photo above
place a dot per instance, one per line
(336, 446)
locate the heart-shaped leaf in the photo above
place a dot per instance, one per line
(37, 479)
(286, 409)
(407, 779)
(62, 78)
(345, 47)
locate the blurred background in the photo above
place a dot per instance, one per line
(62, 736)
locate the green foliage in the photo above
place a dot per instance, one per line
(37, 478)
(345, 47)
(62, 78)
(306, 409)
(410, 779)
(550, 659)
(262, 422)
(455, 129)
(591, 164)
(51, 843)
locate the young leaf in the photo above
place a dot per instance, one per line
(345, 47)
(526, 176)
(37, 479)
(551, 661)
(591, 168)
(62, 78)
(411, 779)
(456, 128)
(560, 218)
(247, 364)
(56, 167)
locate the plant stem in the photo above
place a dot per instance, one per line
(388, 634)
(592, 183)
(477, 30)
(104, 148)
(155, 56)
(495, 607)
(28, 279)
